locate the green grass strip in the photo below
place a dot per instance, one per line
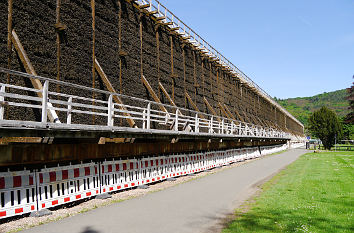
(314, 194)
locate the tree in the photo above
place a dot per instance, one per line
(325, 125)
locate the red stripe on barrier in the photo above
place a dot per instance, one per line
(78, 196)
(30, 180)
(2, 183)
(148, 181)
(64, 174)
(104, 190)
(52, 176)
(96, 191)
(110, 168)
(95, 170)
(55, 202)
(153, 179)
(119, 187)
(40, 177)
(32, 207)
(110, 188)
(132, 184)
(87, 171)
(131, 166)
(88, 194)
(146, 163)
(66, 199)
(117, 167)
(124, 166)
(19, 210)
(151, 163)
(2, 213)
(163, 177)
(17, 181)
(158, 178)
(125, 186)
(43, 205)
(76, 172)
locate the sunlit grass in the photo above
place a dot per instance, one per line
(314, 194)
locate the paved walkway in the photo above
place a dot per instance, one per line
(195, 206)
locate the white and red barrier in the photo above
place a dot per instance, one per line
(60, 185)
(17, 193)
(24, 191)
(119, 174)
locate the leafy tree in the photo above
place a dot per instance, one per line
(325, 125)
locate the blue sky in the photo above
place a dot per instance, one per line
(291, 48)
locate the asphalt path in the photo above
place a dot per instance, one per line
(199, 205)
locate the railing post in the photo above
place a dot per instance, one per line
(110, 111)
(2, 104)
(45, 101)
(211, 125)
(144, 119)
(222, 126)
(176, 120)
(196, 128)
(68, 114)
(148, 116)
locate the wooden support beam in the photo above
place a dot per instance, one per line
(110, 88)
(239, 116)
(193, 105)
(211, 109)
(52, 115)
(224, 111)
(160, 18)
(166, 94)
(152, 93)
(230, 113)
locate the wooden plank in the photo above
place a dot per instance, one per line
(52, 115)
(153, 94)
(110, 88)
(211, 109)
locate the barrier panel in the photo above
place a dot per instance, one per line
(60, 185)
(24, 191)
(119, 174)
(17, 193)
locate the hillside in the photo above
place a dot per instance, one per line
(302, 107)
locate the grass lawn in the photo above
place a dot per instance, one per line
(314, 194)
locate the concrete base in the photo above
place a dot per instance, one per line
(171, 179)
(103, 196)
(41, 213)
(144, 186)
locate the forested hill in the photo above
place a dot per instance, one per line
(302, 107)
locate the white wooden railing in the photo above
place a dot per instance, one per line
(76, 112)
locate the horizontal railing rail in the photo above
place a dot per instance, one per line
(81, 110)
